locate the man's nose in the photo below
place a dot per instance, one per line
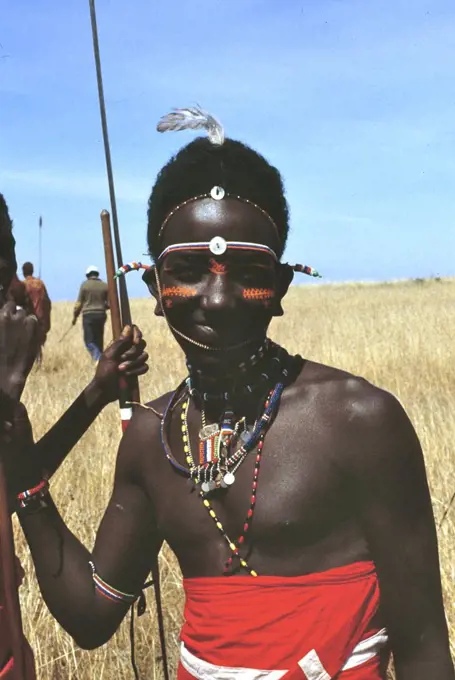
(217, 294)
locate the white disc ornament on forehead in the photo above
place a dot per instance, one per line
(218, 245)
(217, 193)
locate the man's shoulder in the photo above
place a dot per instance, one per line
(147, 418)
(143, 435)
(350, 396)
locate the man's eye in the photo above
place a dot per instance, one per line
(253, 276)
(183, 273)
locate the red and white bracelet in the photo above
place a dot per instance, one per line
(33, 498)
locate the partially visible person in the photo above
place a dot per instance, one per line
(8, 264)
(19, 339)
(12, 380)
(92, 302)
(40, 301)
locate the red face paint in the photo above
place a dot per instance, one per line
(217, 267)
(262, 294)
(178, 291)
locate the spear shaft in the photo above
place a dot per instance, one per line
(124, 314)
(124, 302)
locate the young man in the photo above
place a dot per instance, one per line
(92, 302)
(19, 340)
(293, 494)
(40, 300)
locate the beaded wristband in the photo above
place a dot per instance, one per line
(110, 592)
(32, 498)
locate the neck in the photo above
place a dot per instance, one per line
(242, 386)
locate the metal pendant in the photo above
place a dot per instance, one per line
(205, 487)
(229, 478)
(209, 431)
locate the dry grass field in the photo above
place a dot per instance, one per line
(399, 335)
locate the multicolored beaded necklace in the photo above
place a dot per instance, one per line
(220, 471)
(270, 409)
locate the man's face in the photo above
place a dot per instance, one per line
(8, 264)
(219, 301)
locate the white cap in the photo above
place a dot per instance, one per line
(93, 268)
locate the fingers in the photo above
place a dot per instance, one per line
(136, 366)
(129, 344)
(134, 351)
(121, 344)
(137, 335)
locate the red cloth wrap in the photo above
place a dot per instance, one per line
(8, 672)
(272, 622)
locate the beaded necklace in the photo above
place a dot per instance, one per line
(230, 464)
(270, 409)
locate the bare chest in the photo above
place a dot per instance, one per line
(299, 510)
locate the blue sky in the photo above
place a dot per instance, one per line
(353, 101)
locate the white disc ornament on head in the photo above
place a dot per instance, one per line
(218, 245)
(217, 193)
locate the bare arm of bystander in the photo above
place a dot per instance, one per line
(126, 545)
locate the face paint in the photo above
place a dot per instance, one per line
(262, 294)
(178, 291)
(217, 267)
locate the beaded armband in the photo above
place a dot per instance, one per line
(110, 592)
(33, 499)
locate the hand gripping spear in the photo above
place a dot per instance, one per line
(120, 314)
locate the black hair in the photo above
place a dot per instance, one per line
(199, 166)
(27, 269)
(6, 224)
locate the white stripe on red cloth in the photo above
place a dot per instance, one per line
(311, 664)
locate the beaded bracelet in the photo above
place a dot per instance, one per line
(108, 591)
(32, 499)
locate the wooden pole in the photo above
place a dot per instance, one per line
(110, 272)
(124, 316)
(127, 394)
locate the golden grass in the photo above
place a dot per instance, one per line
(399, 336)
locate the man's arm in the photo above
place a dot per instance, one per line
(125, 356)
(78, 304)
(126, 546)
(390, 484)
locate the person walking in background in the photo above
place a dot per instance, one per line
(93, 303)
(40, 301)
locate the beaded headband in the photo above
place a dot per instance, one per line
(218, 246)
(136, 266)
(217, 193)
(195, 118)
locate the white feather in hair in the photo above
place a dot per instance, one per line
(193, 118)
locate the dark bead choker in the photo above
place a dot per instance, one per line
(263, 368)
